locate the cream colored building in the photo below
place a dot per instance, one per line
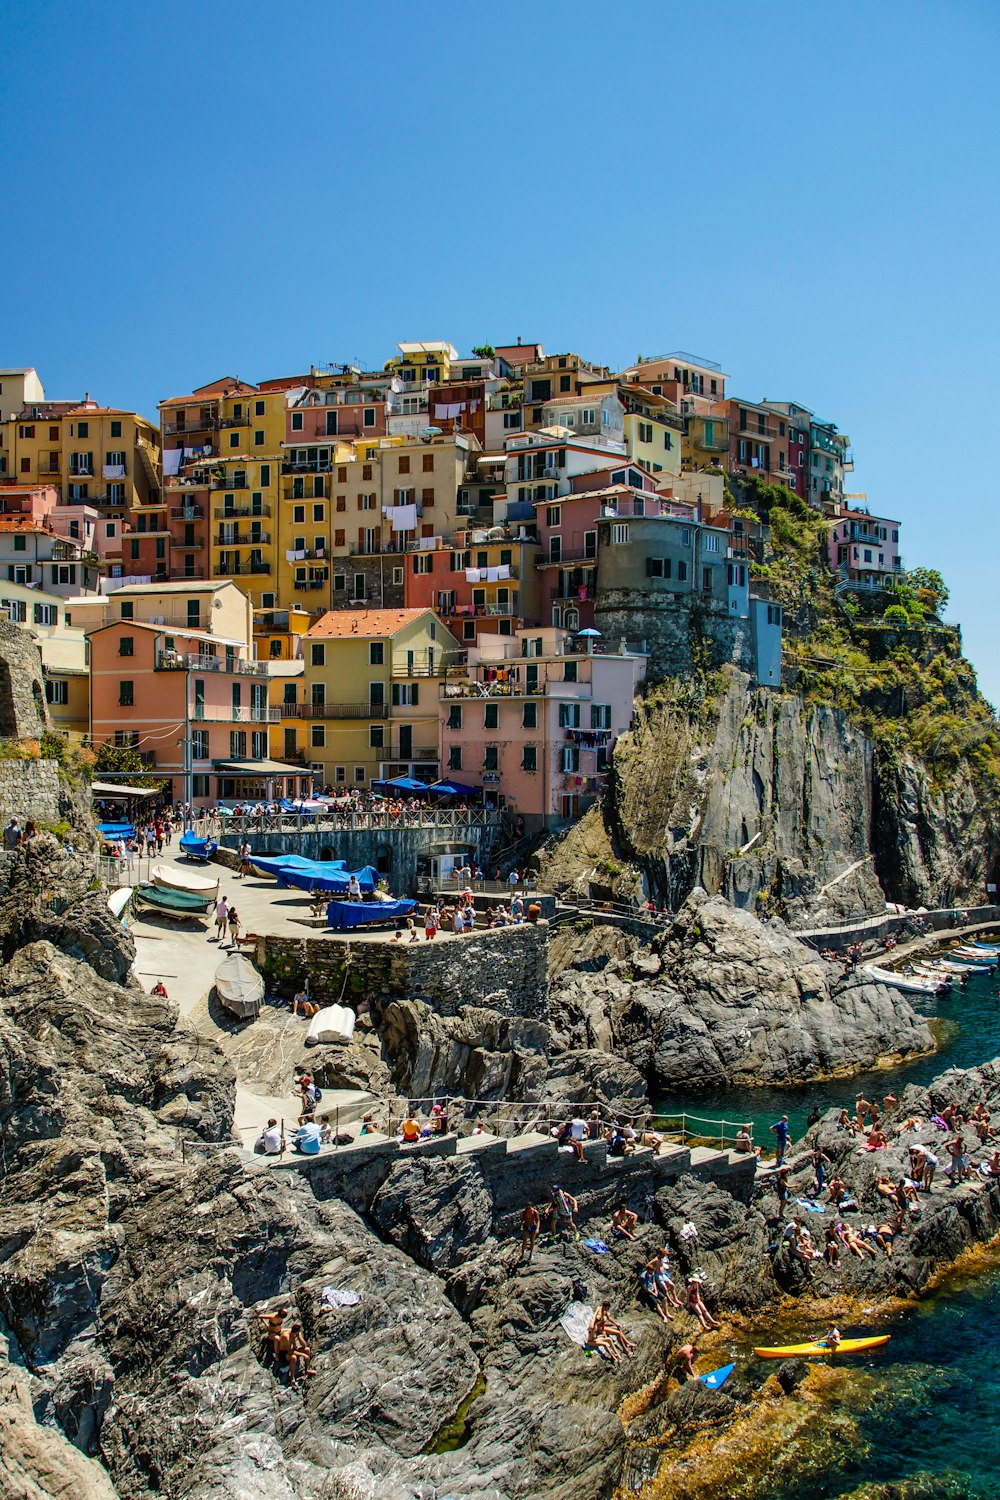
(62, 647)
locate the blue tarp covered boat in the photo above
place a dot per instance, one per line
(113, 831)
(344, 914)
(196, 848)
(324, 875)
(273, 864)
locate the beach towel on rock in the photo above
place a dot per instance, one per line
(598, 1246)
(334, 1296)
(576, 1320)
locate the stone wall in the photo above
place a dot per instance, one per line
(29, 789)
(527, 1172)
(503, 969)
(395, 851)
(677, 628)
(23, 714)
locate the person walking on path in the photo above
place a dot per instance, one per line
(781, 1132)
(221, 919)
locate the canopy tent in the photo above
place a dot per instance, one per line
(454, 789)
(324, 875)
(401, 784)
(114, 831)
(112, 793)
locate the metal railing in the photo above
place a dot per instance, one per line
(405, 815)
(333, 710)
(186, 661)
(238, 714)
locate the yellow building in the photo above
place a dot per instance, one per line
(653, 430)
(423, 364)
(246, 488)
(91, 454)
(278, 637)
(63, 649)
(344, 509)
(706, 440)
(370, 693)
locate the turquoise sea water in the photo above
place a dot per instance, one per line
(922, 1412)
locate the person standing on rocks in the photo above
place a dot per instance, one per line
(820, 1162)
(531, 1223)
(782, 1138)
(566, 1208)
(12, 836)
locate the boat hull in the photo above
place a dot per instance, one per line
(239, 987)
(179, 880)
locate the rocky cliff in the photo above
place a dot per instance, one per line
(721, 998)
(781, 806)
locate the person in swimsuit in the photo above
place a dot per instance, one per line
(531, 1223)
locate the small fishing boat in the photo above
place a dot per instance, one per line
(817, 1349)
(180, 880)
(334, 1023)
(924, 971)
(976, 955)
(119, 902)
(964, 966)
(193, 847)
(179, 904)
(909, 983)
(239, 986)
(987, 947)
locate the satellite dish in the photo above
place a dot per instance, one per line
(216, 602)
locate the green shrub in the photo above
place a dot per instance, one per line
(896, 615)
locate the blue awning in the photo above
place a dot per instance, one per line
(401, 784)
(454, 789)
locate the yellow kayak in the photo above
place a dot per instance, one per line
(816, 1351)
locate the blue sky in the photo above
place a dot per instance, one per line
(805, 192)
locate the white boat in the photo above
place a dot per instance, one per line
(239, 986)
(119, 902)
(960, 967)
(334, 1023)
(928, 971)
(976, 955)
(908, 982)
(184, 880)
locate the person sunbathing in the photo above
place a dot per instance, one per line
(299, 1357)
(623, 1222)
(696, 1304)
(605, 1333)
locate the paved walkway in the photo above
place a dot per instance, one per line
(185, 955)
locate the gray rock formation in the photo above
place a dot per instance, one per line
(724, 998)
(780, 807)
(23, 714)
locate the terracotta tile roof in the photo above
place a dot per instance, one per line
(357, 624)
(226, 385)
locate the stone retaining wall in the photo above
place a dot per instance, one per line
(29, 789)
(526, 1173)
(838, 938)
(504, 969)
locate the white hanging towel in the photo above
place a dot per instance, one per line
(440, 412)
(404, 517)
(504, 570)
(114, 471)
(295, 555)
(172, 460)
(492, 575)
(472, 575)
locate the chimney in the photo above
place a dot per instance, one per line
(519, 338)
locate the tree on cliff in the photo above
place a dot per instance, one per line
(929, 581)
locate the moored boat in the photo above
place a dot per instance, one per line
(119, 902)
(179, 904)
(195, 848)
(239, 986)
(910, 983)
(180, 880)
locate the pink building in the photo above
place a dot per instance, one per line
(535, 720)
(193, 705)
(347, 412)
(864, 550)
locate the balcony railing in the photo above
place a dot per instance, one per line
(71, 553)
(241, 539)
(241, 570)
(333, 711)
(189, 661)
(187, 512)
(238, 481)
(754, 432)
(573, 555)
(310, 585)
(238, 512)
(191, 424)
(212, 713)
(308, 466)
(233, 421)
